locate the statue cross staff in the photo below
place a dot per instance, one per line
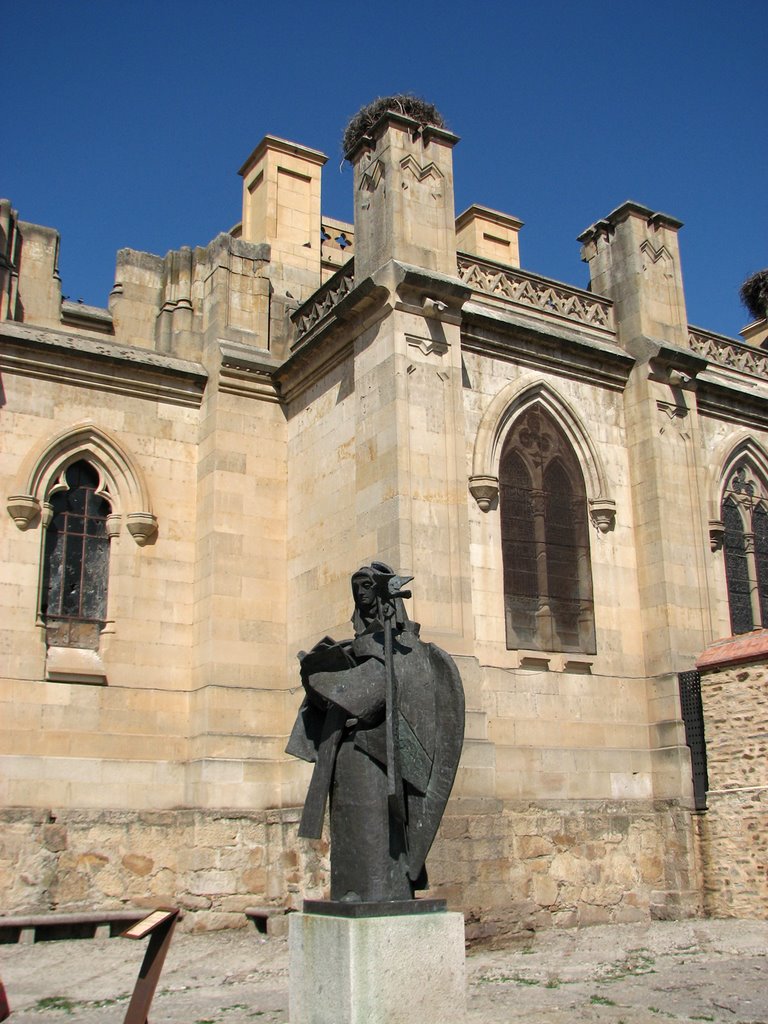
(388, 590)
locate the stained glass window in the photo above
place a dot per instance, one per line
(76, 560)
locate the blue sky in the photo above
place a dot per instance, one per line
(124, 124)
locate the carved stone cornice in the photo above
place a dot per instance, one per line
(246, 372)
(670, 364)
(563, 349)
(104, 364)
(331, 337)
(335, 315)
(429, 293)
(721, 394)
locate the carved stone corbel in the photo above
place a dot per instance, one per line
(142, 526)
(716, 534)
(602, 512)
(484, 489)
(23, 509)
(114, 522)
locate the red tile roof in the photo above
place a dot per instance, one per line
(746, 647)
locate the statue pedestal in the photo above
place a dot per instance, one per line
(392, 969)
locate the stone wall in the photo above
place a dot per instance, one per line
(512, 868)
(733, 834)
(529, 866)
(211, 864)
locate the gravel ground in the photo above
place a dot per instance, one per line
(665, 971)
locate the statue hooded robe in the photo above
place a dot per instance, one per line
(385, 740)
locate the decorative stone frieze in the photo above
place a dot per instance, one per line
(523, 288)
(728, 352)
(324, 299)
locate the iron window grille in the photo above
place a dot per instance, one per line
(76, 559)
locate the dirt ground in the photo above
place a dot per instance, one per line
(664, 971)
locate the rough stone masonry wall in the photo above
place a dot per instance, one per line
(211, 864)
(526, 867)
(512, 868)
(733, 834)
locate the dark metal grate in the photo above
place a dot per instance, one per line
(693, 718)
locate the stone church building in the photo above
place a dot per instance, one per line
(577, 480)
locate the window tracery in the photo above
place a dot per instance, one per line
(545, 542)
(744, 514)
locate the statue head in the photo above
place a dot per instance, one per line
(369, 586)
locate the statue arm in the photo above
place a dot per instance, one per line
(360, 691)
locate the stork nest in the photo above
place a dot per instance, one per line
(754, 295)
(403, 103)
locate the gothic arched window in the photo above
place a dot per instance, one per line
(744, 513)
(544, 539)
(76, 559)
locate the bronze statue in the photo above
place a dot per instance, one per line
(383, 720)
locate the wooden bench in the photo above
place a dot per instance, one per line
(29, 928)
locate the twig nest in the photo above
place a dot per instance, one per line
(403, 103)
(754, 294)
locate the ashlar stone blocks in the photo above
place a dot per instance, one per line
(377, 970)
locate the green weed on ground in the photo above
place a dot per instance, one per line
(637, 961)
(492, 978)
(56, 1003)
(64, 1004)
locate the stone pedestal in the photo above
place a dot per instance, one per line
(377, 970)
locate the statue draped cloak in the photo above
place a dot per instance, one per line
(341, 728)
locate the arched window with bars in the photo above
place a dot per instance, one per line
(73, 601)
(744, 514)
(544, 539)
